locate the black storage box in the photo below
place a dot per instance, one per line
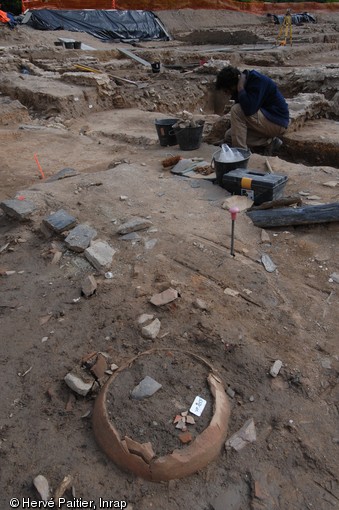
(257, 186)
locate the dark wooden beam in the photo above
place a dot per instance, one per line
(295, 216)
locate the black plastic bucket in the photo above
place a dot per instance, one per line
(165, 131)
(189, 138)
(222, 168)
(155, 67)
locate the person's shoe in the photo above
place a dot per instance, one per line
(273, 147)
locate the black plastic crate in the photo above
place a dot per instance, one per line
(257, 186)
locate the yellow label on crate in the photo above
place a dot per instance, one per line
(246, 183)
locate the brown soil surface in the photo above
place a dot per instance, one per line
(47, 326)
(184, 378)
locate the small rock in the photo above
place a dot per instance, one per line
(42, 486)
(268, 263)
(123, 198)
(331, 184)
(78, 385)
(199, 303)
(164, 297)
(134, 225)
(146, 388)
(245, 435)
(313, 197)
(145, 317)
(265, 238)
(275, 369)
(89, 286)
(335, 277)
(151, 330)
(149, 245)
(132, 236)
(230, 392)
(231, 292)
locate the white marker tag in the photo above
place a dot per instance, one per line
(198, 406)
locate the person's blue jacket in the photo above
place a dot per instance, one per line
(261, 93)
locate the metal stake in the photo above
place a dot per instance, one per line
(233, 211)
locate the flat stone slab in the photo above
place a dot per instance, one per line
(146, 388)
(100, 255)
(132, 236)
(134, 225)
(59, 221)
(62, 174)
(20, 209)
(164, 297)
(80, 238)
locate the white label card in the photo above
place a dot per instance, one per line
(198, 406)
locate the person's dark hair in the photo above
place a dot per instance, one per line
(227, 78)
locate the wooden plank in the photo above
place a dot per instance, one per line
(295, 216)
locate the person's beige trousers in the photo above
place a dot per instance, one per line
(252, 131)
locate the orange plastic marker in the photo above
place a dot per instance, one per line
(39, 166)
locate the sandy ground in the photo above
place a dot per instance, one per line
(48, 326)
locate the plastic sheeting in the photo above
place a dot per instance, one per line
(297, 19)
(109, 25)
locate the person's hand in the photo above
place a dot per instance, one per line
(241, 81)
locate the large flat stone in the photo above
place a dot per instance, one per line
(100, 255)
(134, 225)
(20, 209)
(59, 221)
(80, 238)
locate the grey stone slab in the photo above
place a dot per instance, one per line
(146, 388)
(133, 225)
(80, 237)
(62, 174)
(20, 209)
(60, 221)
(132, 236)
(100, 255)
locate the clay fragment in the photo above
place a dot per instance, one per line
(144, 450)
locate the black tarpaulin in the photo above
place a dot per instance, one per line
(112, 25)
(297, 19)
